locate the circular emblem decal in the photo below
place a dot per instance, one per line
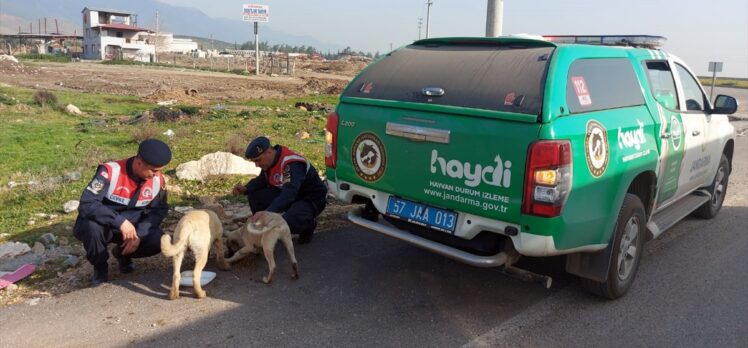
(369, 157)
(596, 148)
(675, 132)
(147, 193)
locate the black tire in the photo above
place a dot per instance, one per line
(718, 189)
(626, 253)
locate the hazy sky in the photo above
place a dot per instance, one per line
(697, 31)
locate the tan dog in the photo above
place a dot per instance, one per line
(196, 230)
(269, 228)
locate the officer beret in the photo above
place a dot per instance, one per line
(155, 152)
(257, 147)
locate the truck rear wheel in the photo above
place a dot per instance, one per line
(718, 189)
(628, 240)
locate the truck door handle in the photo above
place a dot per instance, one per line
(418, 133)
(695, 133)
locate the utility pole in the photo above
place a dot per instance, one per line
(494, 18)
(420, 23)
(428, 16)
(155, 41)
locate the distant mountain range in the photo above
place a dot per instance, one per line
(175, 19)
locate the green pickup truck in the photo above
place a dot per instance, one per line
(486, 149)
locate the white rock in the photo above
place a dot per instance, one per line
(70, 206)
(13, 249)
(169, 133)
(72, 109)
(217, 163)
(8, 57)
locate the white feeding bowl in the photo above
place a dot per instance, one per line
(205, 278)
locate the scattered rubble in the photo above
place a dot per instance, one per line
(165, 97)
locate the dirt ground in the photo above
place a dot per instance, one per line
(154, 84)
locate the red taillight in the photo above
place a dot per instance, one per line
(548, 178)
(331, 140)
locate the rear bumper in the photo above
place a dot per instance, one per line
(438, 248)
(526, 244)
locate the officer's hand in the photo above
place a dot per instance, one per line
(128, 231)
(255, 217)
(129, 246)
(239, 189)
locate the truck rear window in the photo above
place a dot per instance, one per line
(490, 77)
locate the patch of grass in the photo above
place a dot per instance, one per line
(45, 57)
(8, 100)
(189, 109)
(42, 143)
(724, 82)
(134, 62)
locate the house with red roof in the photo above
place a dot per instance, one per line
(114, 34)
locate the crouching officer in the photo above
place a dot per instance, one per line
(288, 184)
(124, 204)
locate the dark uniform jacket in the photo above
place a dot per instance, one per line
(116, 193)
(294, 176)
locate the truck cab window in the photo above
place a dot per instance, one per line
(663, 87)
(695, 99)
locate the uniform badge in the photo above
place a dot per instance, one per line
(286, 175)
(95, 186)
(596, 148)
(369, 157)
(277, 178)
(104, 175)
(147, 193)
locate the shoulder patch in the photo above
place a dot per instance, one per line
(95, 186)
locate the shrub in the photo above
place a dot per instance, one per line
(8, 100)
(189, 110)
(45, 98)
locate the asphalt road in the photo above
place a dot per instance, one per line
(359, 288)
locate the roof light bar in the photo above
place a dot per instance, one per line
(647, 41)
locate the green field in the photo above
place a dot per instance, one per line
(724, 82)
(41, 144)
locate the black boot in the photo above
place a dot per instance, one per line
(100, 274)
(307, 235)
(125, 263)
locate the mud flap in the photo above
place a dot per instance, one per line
(592, 266)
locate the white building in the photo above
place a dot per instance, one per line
(111, 34)
(168, 43)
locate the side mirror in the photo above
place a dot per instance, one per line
(725, 104)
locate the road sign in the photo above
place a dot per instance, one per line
(255, 13)
(715, 66)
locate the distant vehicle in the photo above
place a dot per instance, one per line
(486, 149)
